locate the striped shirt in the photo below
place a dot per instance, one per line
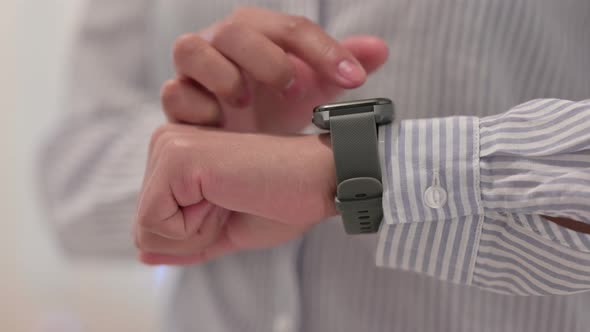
(492, 100)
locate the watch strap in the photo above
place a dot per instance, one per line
(358, 171)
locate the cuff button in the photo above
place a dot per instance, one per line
(435, 197)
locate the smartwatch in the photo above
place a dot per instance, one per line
(353, 129)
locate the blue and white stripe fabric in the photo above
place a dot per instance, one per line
(499, 174)
(475, 58)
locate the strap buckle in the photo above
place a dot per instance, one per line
(360, 198)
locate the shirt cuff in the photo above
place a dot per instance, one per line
(430, 169)
(508, 251)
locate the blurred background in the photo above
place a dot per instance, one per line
(39, 289)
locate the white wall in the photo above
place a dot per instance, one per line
(39, 290)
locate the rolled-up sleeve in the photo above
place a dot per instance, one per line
(464, 198)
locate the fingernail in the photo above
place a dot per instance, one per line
(351, 72)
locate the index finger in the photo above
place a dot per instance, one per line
(308, 41)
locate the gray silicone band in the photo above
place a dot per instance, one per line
(358, 172)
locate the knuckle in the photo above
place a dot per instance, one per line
(188, 46)
(210, 113)
(329, 52)
(157, 136)
(276, 69)
(297, 23)
(227, 32)
(240, 12)
(169, 94)
(228, 28)
(174, 146)
(206, 113)
(281, 76)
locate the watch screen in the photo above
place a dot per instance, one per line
(353, 106)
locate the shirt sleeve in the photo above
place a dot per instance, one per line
(464, 198)
(91, 167)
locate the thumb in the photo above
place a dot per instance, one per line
(371, 52)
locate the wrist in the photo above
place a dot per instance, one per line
(291, 179)
(319, 174)
(328, 173)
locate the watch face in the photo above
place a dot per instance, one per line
(368, 103)
(381, 107)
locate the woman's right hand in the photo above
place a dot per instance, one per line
(264, 71)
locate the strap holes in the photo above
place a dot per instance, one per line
(366, 228)
(360, 195)
(364, 217)
(365, 223)
(363, 211)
